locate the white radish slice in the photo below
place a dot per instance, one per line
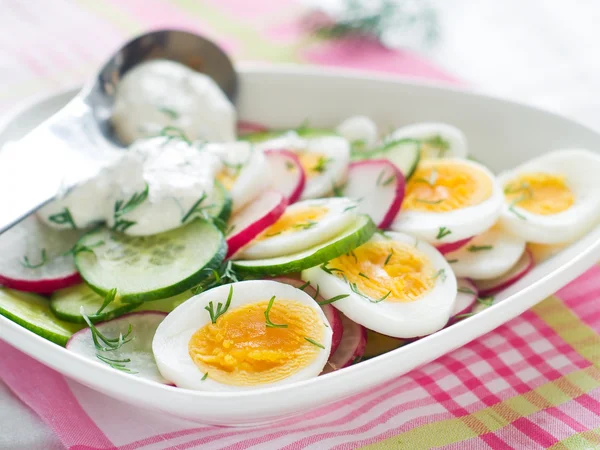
(351, 349)
(520, 269)
(247, 127)
(37, 258)
(254, 219)
(466, 297)
(138, 350)
(453, 246)
(332, 314)
(378, 185)
(288, 176)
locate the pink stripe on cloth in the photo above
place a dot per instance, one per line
(46, 392)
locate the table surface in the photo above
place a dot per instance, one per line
(539, 51)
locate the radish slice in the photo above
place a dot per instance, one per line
(37, 258)
(332, 314)
(453, 246)
(351, 349)
(287, 174)
(138, 350)
(465, 297)
(254, 219)
(379, 186)
(490, 287)
(247, 127)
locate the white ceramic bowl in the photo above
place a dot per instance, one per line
(502, 134)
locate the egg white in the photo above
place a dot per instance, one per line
(426, 130)
(479, 263)
(342, 212)
(424, 316)
(170, 344)
(462, 223)
(582, 169)
(337, 150)
(254, 176)
(357, 129)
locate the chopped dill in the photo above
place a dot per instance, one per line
(214, 315)
(268, 322)
(27, 264)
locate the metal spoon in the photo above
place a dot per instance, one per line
(75, 144)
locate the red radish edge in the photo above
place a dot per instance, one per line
(453, 246)
(258, 222)
(138, 313)
(294, 196)
(354, 341)
(523, 266)
(44, 286)
(394, 207)
(332, 314)
(466, 300)
(246, 127)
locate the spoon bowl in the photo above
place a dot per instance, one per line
(75, 144)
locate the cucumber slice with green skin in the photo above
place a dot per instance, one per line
(354, 236)
(144, 268)
(222, 203)
(404, 153)
(66, 304)
(307, 133)
(33, 312)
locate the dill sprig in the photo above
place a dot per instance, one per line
(441, 274)
(304, 286)
(198, 209)
(333, 299)
(170, 113)
(102, 342)
(389, 256)
(438, 143)
(27, 264)
(79, 248)
(108, 299)
(388, 21)
(329, 270)
(221, 309)
(171, 132)
(63, 218)
(224, 274)
(479, 248)
(354, 288)
(119, 364)
(121, 208)
(268, 322)
(443, 232)
(305, 225)
(313, 342)
(429, 202)
(321, 165)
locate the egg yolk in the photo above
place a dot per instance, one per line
(434, 147)
(388, 270)
(227, 179)
(441, 186)
(239, 349)
(294, 220)
(540, 193)
(313, 163)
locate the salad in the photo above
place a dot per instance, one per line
(221, 255)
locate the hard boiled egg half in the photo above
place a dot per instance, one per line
(438, 140)
(243, 336)
(448, 200)
(324, 159)
(394, 284)
(303, 225)
(554, 198)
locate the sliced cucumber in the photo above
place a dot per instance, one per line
(144, 268)
(33, 312)
(304, 132)
(222, 203)
(66, 305)
(166, 304)
(404, 153)
(356, 235)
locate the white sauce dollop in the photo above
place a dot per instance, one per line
(177, 174)
(160, 93)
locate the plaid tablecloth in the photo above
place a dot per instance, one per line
(532, 383)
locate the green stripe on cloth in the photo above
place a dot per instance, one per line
(574, 332)
(589, 439)
(255, 45)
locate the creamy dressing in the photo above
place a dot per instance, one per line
(161, 93)
(176, 173)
